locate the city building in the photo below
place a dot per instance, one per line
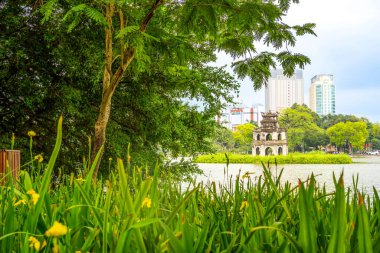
(235, 116)
(322, 94)
(282, 92)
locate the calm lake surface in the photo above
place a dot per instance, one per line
(368, 169)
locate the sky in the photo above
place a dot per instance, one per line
(347, 46)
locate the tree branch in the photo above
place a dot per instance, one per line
(149, 16)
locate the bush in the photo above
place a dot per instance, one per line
(293, 158)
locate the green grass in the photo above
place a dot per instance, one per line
(294, 158)
(243, 216)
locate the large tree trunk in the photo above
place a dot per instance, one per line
(108, 90)
(111, 80)
(100, 128)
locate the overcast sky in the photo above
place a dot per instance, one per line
(347, 46)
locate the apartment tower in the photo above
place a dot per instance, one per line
(282, 92)
(322, 94)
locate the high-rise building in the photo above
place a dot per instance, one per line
(282, 92)
(322, 94)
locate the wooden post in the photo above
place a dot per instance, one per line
(9, 158)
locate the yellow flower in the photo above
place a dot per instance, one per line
(34, 243)
(55, 248)
(21, 201)
(31, 134)
(39, 157)
(57, 229)
(146, 202)
(80, 180)
(110, 159)
(35, 196)
(44, 243)
(244, 204)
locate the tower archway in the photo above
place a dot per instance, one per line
(268, 151)
(257, 151)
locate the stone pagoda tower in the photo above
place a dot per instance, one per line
(269, 139)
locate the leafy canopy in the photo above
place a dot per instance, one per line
(355, 133)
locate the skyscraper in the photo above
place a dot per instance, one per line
(282, 92)
(322, 94)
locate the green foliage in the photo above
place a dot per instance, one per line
(223, 139)
(293, 158)
(333, 119)
(243, 136)
(302, 129)
(353, 134)
(48, 66)
(135, 212)
(374, 135)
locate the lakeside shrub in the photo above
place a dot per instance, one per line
(293, 158)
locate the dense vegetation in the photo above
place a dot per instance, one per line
(293, 158)
(150, 58)
(135, 211)
(307, 131)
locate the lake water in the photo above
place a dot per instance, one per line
(368, 169)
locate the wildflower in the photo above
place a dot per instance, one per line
(35, 196)
(44, 243)
(21, 201)
(34, 243)
(31, 134)
(146, 202)
(39, 157)
(80, 180)
(110, 159)
(56, 230)
(244, 204)
(55, 247)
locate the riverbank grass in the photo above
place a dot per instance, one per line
(293, 158)
(140, 210)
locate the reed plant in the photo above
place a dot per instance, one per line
(137, 211)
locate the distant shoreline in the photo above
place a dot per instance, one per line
(295, 158)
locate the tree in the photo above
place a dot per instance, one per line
(243, 136)
(43, 75)
(350, 134)
(374, 135)
(223, 139)
(135, 33)
(329, 120)
(302, 130)
(36, 72)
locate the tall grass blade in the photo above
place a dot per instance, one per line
(339, 220)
